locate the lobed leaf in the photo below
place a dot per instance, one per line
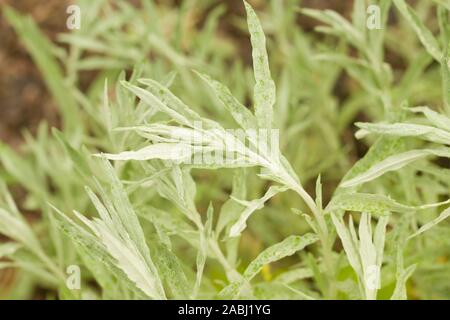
(393, 163)
(240, 113)
(264, 91)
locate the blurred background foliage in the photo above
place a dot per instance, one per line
(55, 78)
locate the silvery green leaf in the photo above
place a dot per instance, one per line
(164, 151)
(172, 102)
(338, 25)
(151, 100)
(365, 202)
(350, 247)
(101, 210)
(130, 261)
(264, 90)
(202, 253)
(412, 75)
(280, 250)
(250, 207)
(161, 98)
(6, 197)
(383, 147)
(20, 169)
(309, 220)
(426, 37)
(101, 63)
(127, 258)
(169, 79)
(379, 239)
(368, 254)
(393, 163)
(240, 113)
(359, 15)
(231, 291)
(159, 44)
(173, 134)
(171, 270)
(352, 231)
(343, 60)
(119, 206)
(111, 279)
(36, 270)
(171, 224)
(424, 132)
(106, 111)
(350, 288)
(283, 249)
(319, 192)
(437, 119)
(444, 215)
(95, 256)
(95, 45)
(231, 209)
(178, 179)
(121, 234)
(16, 228)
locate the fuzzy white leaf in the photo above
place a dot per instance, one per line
(283, 249)
(163, 151)
(252, 206)
(426, 37)
(368, 255)
(240, 113)
(264, 91)
(379, 239)
(424, 132)
(393, 163)
(437, 119)
(444, 215)
(348, 243)
(127, 257)
(171, 104)
(365, 202)
(132, 263)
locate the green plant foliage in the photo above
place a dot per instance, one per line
(305, 216)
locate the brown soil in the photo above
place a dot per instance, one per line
(24, 99)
